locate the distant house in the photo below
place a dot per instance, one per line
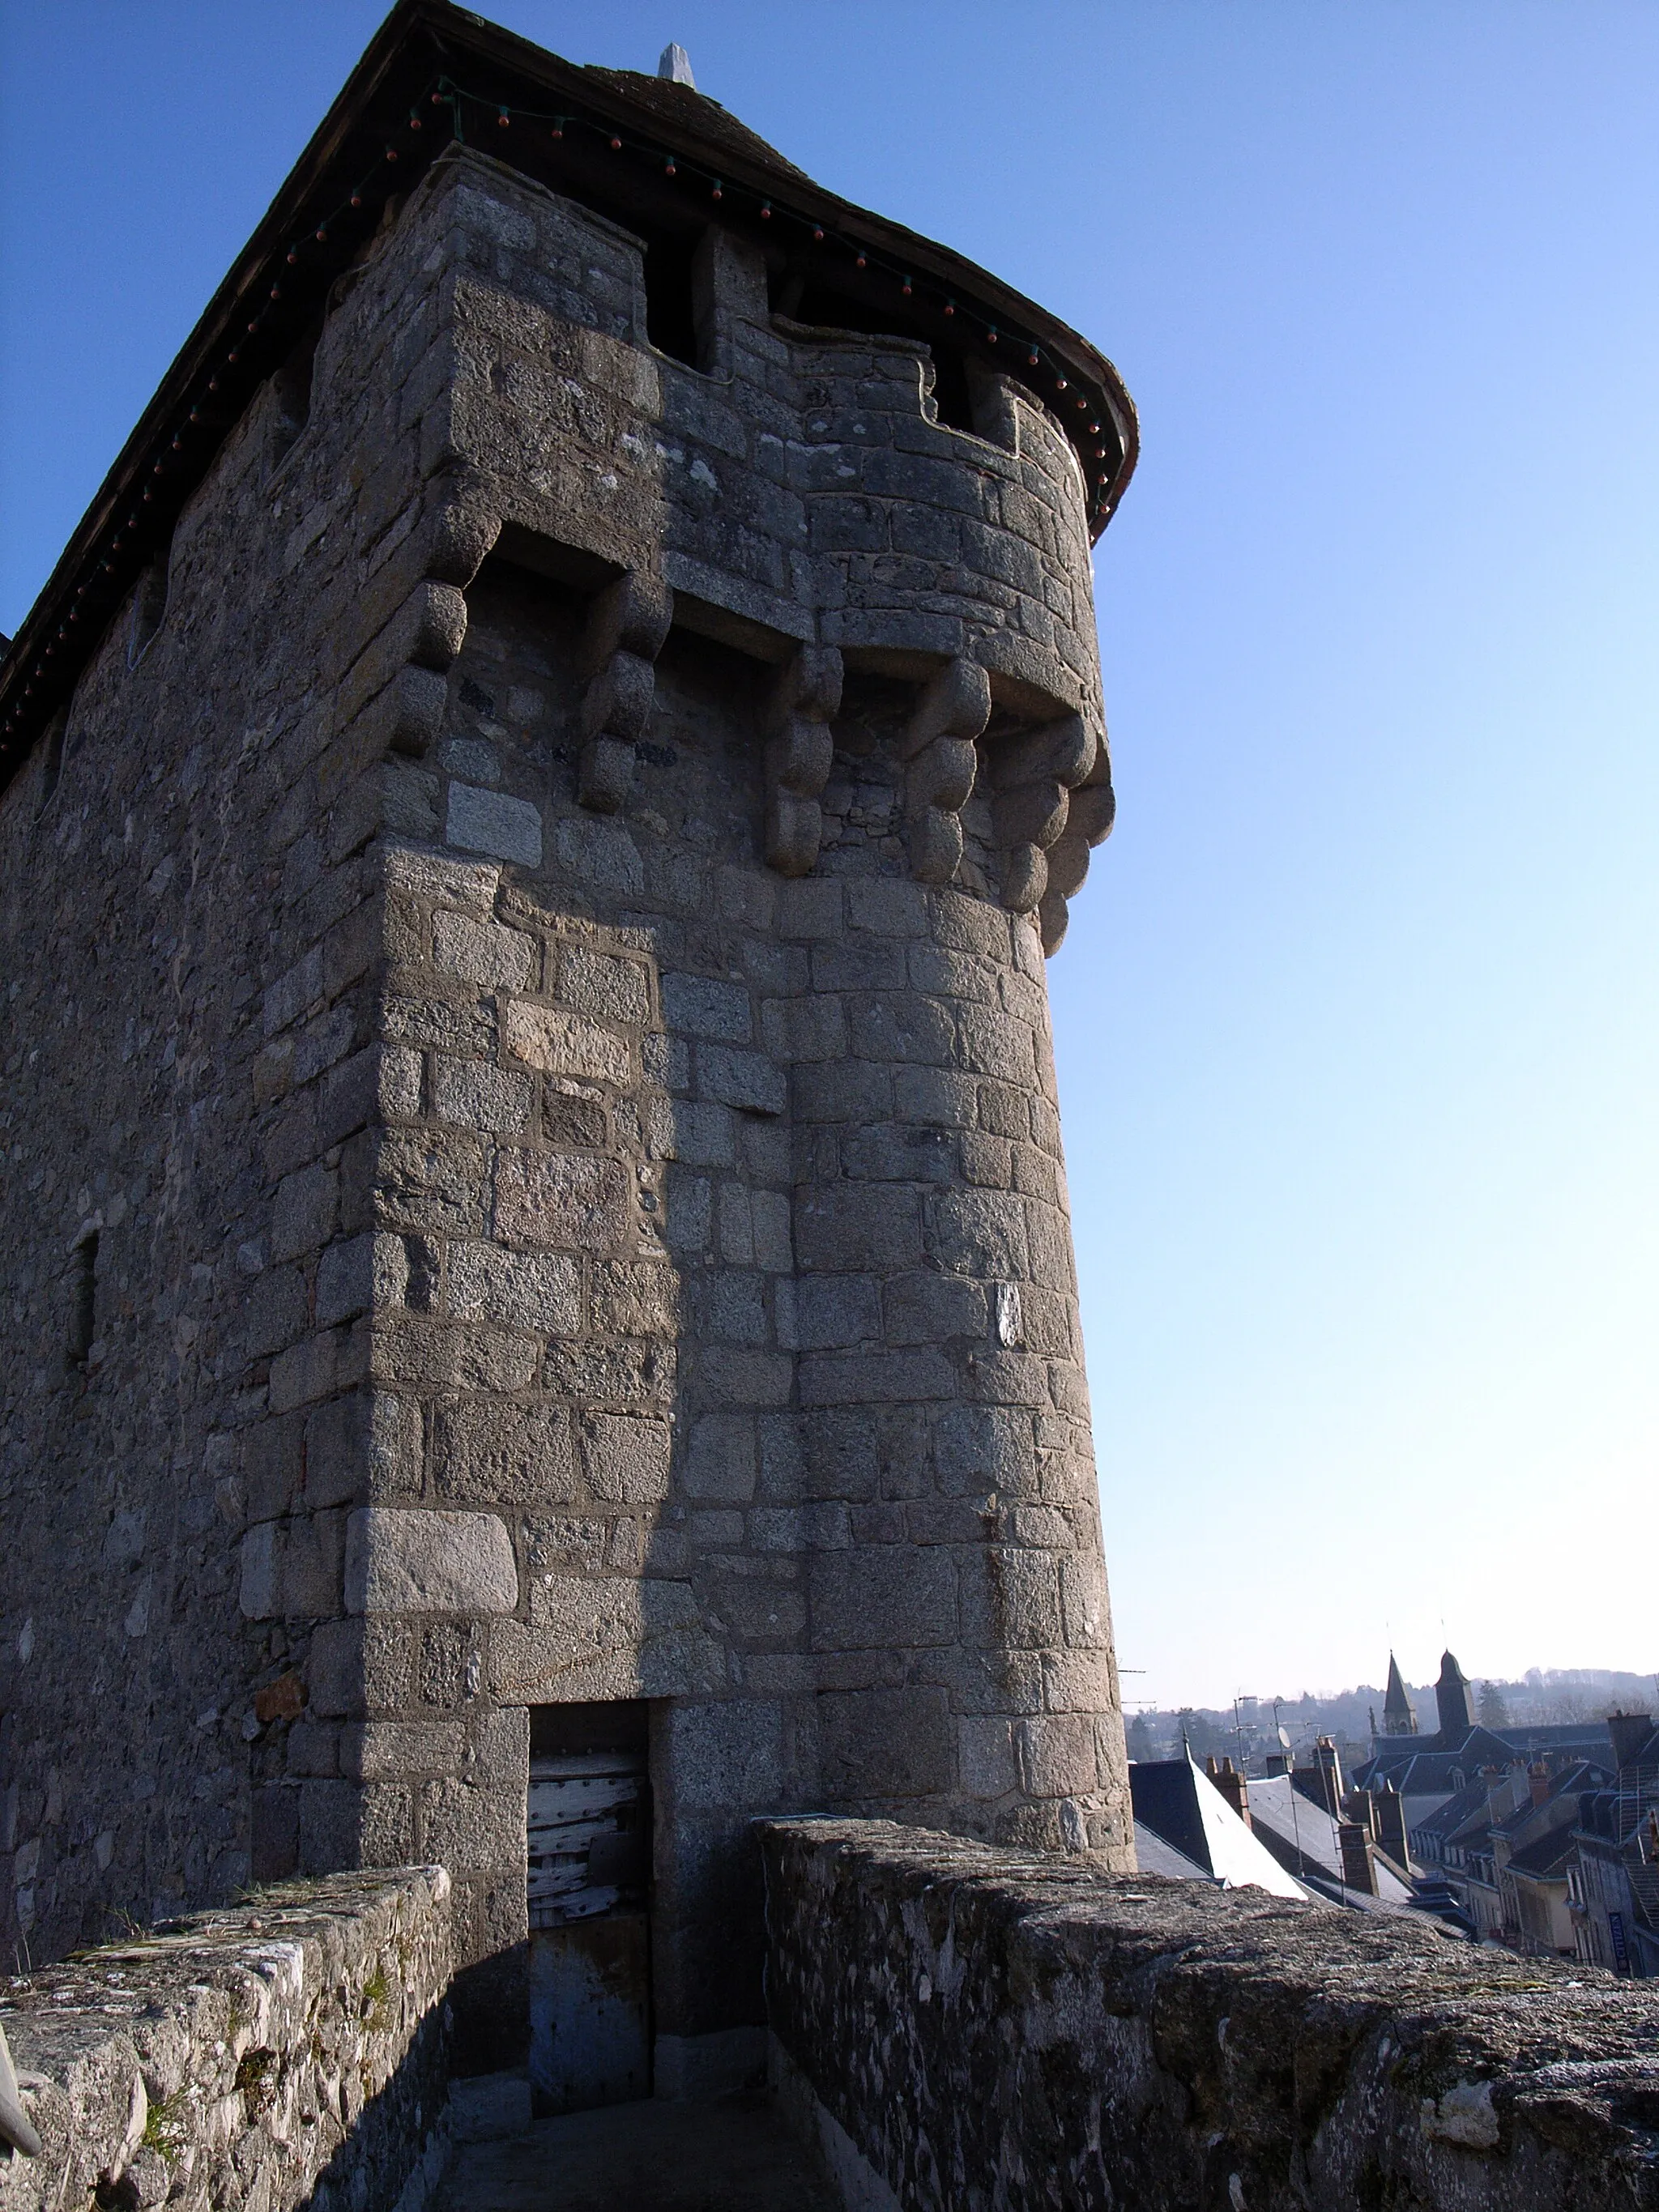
(1512, 1846)
(1537, 1878)
(1441, 1837)
(1613, 1869)
(1546, 1838)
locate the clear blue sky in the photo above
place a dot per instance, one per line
(1357, 1016)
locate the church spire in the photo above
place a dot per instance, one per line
(1398, 1718)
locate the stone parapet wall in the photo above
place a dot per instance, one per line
(295, 2051)
(798, 477)
(970, 2026)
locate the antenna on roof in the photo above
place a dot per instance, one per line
(675, 63)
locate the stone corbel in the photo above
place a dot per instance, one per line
(1035, 777)
(627, 624)
(1089, 813)
(462, 532)
(800, 750)
(938, 746)
(401, 680)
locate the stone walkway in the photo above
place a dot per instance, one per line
(734, 2156)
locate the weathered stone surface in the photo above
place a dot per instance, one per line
(293, 1566)
(538, 1291)
(246, 2052)
(996, 2028)
(612, 1638)
(626, 1459)
(482, 952)
(492, 821)
(572, 1202)
(503, 1454)
(559, 1042)
(428, 1562)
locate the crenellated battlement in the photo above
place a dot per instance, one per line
(800, 491)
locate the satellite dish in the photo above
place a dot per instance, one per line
(1285, 1738)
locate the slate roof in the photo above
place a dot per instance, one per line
(1302, 1837)
(1451, 1697)
(1422, 1766)
(684, 113)
(1165, 1802)
(1546, 1858)
(1568, 1735)
(1154, 1856)
(1584, 1774)
(1462, 1809)
(1397, 1705)
(1182, 1806)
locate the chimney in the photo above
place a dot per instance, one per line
(1630, 1733)
(1356, 1806)
(1330, 1773)
(1388, 1824)
(1538, 1781)
(1277, 1763)
(1358, 1868)
(1233, 1787)
(1500, 1795)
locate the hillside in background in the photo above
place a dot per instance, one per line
(1542, 1697)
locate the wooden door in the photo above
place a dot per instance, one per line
(590, 1947)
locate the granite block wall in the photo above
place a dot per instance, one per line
(189, 920)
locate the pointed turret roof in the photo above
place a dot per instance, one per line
(1397, 1718)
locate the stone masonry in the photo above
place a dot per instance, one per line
(971, 2027)
(295, 2052)
(531, 1161)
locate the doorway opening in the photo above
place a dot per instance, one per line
(589, 1850)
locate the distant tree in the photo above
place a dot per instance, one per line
(1204, 1738)
(1494, 1713)
(1141, 1746)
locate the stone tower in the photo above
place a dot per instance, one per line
(538, 796)
(1451, 1698)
